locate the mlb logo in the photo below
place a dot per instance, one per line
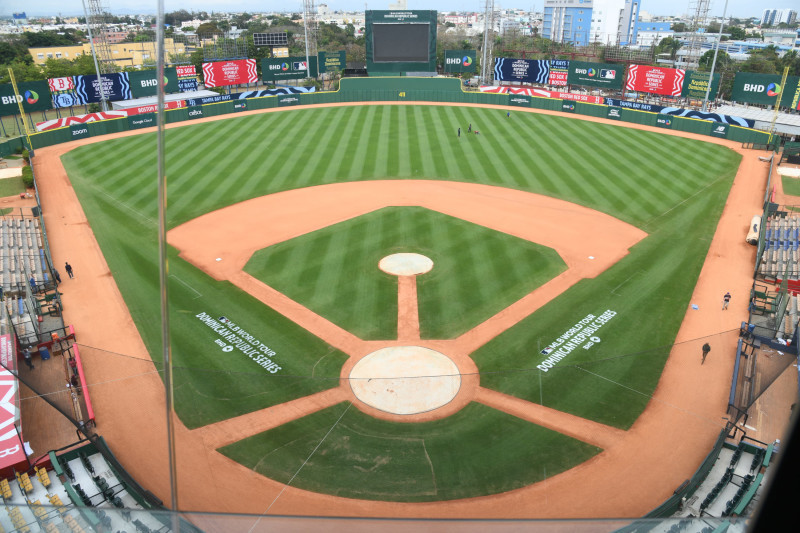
(223, 319)
(299, 65)
(547, 350)
(608, 74)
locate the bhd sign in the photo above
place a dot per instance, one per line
(664, 121)
(568, 106)
(460, 61)
(763, 89)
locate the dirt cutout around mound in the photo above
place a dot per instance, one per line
(638, 470)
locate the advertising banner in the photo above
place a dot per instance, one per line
(144, 82)
(34, 95)
(720, 130)
(519, 100)
(196, 112)
(696, 83)
(664, 121)
(175, 104)
(12, 450)
(655, 80)
(186, 71)
(460, 60)
(187, 85)
(116, 86)
(287, 68)
(208, 100)
(145, 120)
(240, 105)
(287, 100)
(559, 72)
(522, 70)
(535, 91)
(602, 75)
(763, 89)
(272, 92)
(79, 119)
(79, 131)
(614, 113)
(58, 85)
(331, 61)
(235, 72)
(568, 107)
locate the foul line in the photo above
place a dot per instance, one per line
(179, 280)
(301, 467)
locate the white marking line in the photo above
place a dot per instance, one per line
(123, 204)
(750, 428)
(179, 280)
(624, 282)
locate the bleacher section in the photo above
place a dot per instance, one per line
(781, 248)
(72, 498)
(22, 259)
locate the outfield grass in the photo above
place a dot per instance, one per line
(791, 186)
(11, 186)
(334, 271)
(672, 188)
(377, 460)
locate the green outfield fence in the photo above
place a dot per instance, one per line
(400, 89)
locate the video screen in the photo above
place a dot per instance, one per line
(400, 42)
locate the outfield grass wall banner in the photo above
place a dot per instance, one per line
(603, 75)
(696, 83)
(763, 89)
(144, 82)
(460, 60)
(34, 95)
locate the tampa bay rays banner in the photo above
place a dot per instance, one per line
(680, 112)
(522, 70)
(763, 89)
(606, 75)
(34, 95)
(460, 60)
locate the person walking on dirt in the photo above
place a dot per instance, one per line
(28, 358)
(726, 300)
(706, 349)
(68, 268)
(57, 275)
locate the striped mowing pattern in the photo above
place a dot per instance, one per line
(631, 174)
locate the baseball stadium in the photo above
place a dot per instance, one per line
(398, 303)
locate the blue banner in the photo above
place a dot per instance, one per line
(209, 100)
(116, 86)
(186, 85)
(680, 112)
(522, 70)
(274, 92)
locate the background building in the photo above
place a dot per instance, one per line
(585, 21)
(771, 17)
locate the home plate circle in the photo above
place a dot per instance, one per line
(405, 380)
(406, 264)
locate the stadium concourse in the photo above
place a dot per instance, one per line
(632, 475)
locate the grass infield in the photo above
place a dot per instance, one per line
(672, 188)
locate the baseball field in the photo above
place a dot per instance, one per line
(564, 252)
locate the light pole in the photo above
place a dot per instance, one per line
(714, 62)
(103, 102)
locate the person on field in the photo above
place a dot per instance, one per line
(706, 349)
(726, 300)
(57, 275)
(470, 128)
(28, 358)
(459, 132)
(68, 268)
(508, 114)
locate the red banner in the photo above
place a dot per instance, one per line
(61, 84)
(221, 73)
(175, 104)
(186, 71)
(656, 80)
(544, 93)
(12, 451)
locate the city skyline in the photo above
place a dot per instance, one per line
(39, 8)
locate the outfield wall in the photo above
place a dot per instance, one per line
(405, 89)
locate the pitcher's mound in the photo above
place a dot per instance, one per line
(405, 380)
(405, 264)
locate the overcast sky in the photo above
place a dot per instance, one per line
(737, 8)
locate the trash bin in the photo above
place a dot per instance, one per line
(44, 353)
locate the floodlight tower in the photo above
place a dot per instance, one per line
(488, 41)
(97, 21)
(698, 10)
(310, 24)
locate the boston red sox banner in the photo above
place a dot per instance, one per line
(222, 73)
(656, 80)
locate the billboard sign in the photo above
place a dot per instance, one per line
(287, 68)
(79, 131)
(12, 450)
(460, 60)
(235, 72)
(144, 82)
(145, 120)
(519, 100)
(288, 100)
(522, 70)
(58, 85)
(186, 71)
(720, 130)
(196, 112)
(614, 113)
(603, 75)
(34, 95)
(655, 80)
(559, 72)
(763, 89)
(696, 84)
(187, 85)
(568, 106)
(116, 86)
(664, 121)
(332, 61)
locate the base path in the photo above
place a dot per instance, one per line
(638, 470)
